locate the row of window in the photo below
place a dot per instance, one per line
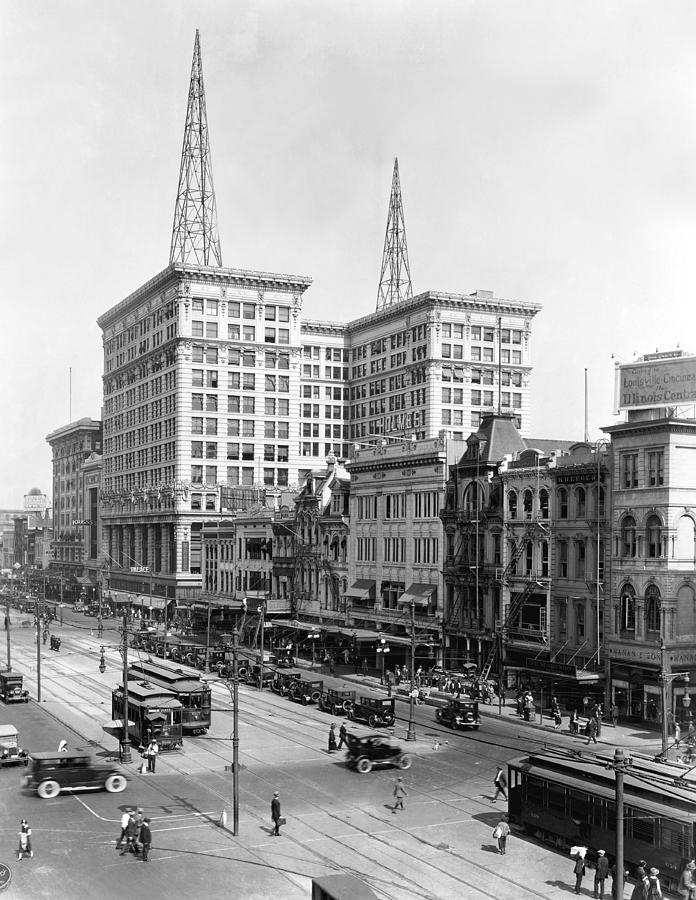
(653, 468)
(426, 550)
(482, 354)
(335, 354)
(236, 475)
(240, 310)
(425, 505)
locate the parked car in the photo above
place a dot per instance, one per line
(12, 688)
(459, 714)
(79, 606)
(283, 680)
(337, 703)
(10, 751)
(305, 692)
(373, 710)
(364, 753)
(50, 773)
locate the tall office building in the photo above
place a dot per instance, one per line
(216, 388)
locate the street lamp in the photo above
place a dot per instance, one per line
(262, 613)
(666, 678)
(124, 749)
(411, 733)
(313, 637)
(383, 649)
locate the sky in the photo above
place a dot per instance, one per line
(547, 152)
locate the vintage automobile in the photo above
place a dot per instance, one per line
(282, 682)
(50, 773)
(459, 714)
(364, 753)
(12, 688)
(373, 710)
(253, 674)
(337, 703)
(305, 692)
(10, 751)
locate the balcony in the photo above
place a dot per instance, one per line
(527, 637)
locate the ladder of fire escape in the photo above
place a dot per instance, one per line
(516, 604)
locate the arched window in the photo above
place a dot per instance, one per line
(652, 608)
(628, 536)
(544, 559)
(562, 503)
(512, 504)
(544, 503)
(653, 528)
(686, 612)
(528, 558)
(528, 503)
(628, 608)
(580, 502)
(472, 498)
(686, 546)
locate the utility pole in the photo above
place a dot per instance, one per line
(125, 753)
(7, 631)
(262, 613)
(235, 730)
(38, 651)
(619, 768)
(411, 733)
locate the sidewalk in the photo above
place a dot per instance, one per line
(636, 737)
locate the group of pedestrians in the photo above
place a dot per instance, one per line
(646, 879)
(342, 737)
(136, 834)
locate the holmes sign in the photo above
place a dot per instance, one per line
(668, 380)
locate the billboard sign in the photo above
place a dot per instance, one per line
(656, 382)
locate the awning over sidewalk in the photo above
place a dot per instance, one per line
(418, 594)
(362, 589)
(85, 580)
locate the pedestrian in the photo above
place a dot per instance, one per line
(574, 722)
(131, 836)
(557, 718)
(332, 737)
(579, 870)
(342, 736)
(139, 818)
(614, 714)
(640, 889)
(145, 838)
(691, 734)
(24, 848)
(399, 793)
(346, 656)
(614, 882)
(388, 679)
(520, 705)
(124, 827)
(601, 872)
(63, 746)
(151, 752)
(364, 666)
(677, 734)
(654, 887)
(592, 730)
(687, 881)
(500, 833)
(332, 665)
(500, 782)
(275, 813)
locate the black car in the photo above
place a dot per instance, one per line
(364, 753)
(459, 714)
(12, 688)
(282, 681)
(373, 710)
(305, 692)
(337, 702)
(51, 773)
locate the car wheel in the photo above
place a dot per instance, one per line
(347, 705)
(304, 700)
(372, 721)
(363, 765)
(388, 719)
(48, 789)
(405, 761)
(438, 715)
(115, 783)
(315, 696)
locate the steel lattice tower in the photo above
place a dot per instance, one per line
(195, 236)
(395, 278)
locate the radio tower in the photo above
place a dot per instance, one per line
(395, 279)
(195, 236)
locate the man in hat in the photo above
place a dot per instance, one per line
(124, 827)
(275, 813)
(687, 882)
(601, 873)
(342, 735)
(332, 737)
(399, 793)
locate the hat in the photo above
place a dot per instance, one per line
(600, 852)
(654, 871)
(691, 865)
(276, 794)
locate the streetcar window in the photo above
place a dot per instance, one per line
(555, 798)
(534, 791)
(579, 807)
(675, 838)
(642, 826)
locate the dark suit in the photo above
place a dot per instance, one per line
(601, 873)
(145, 839)
(275, 814)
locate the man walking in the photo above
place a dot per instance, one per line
(145, 838)
(591, 730)
(275, 813)
(601, 873)
(579, 870)
(501, 832)
(151, 754)
(124, 827)
(342, 736)
(131, 836)
(399, 793)
(500, 782)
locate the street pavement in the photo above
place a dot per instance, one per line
(439, 847)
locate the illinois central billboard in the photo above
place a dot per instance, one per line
(655, 382)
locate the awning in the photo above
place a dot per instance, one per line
(418, 594)
(361, 589)
(147, 602)
(294, 623)
(85, 580)
(115, 727)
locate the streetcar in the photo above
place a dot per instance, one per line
(567, 798)
(153, 711)
(185, 683)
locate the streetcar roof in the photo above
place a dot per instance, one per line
(152, 693)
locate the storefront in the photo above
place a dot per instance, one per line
(636, 683)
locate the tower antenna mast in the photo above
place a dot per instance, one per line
(395, 278)
(195, 238)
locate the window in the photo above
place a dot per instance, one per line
(211, 307)
(197, 474)
(233, 332)
(211, 426)
(248, 428)
(269, 453)
(211, 355)
(197, 377)
(628, 536)
(233, 381)
(527, 503)
(654, 536)
(197, 401)
(563, 559)
(197, 306)
(210, 474)
(544, 559)
(249, 381)
(562, 503)
(269, 335)
(233, 309)
(283, 335)
(580, 622)
(248, 405)
(233, 427)
(211, 379)
(249, 332)
(211, 402)
(628, 608)
(211, 330)
(269, 429)
(211, 450)
(197, 449)
(196, 425)
(197, 329)
(232, 452)
(629, 470)
(544, 503)
(652, 608)
(512, 504)
(269, 313)
(248, 311)
(395, 506)
(580, 558)
(656, 468)
(580, 502)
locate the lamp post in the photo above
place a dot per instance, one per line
(232, 686)
(313, 638)
(262, 612)
(124, 750)
(411, 733)
(666, 678)
(7, 633)
(382, 649)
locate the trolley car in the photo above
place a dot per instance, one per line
(153, 711)
(566, 799)
(185, 683)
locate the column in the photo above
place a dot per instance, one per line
(165, 538)
(138, 546)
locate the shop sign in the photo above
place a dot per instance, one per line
(656, 382)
